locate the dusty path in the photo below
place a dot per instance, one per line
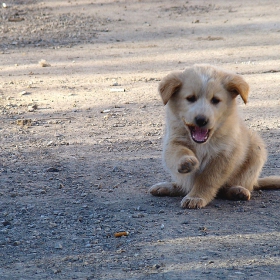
(77, 158)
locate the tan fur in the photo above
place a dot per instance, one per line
(230, 161)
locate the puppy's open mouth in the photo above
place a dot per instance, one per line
(199, 135)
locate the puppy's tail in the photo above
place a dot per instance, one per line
(268, 183)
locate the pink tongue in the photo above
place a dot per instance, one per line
(199, 134)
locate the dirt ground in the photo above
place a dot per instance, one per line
(81, 133)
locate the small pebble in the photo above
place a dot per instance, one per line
(16, 243)
(52, 169)
(24, 93)
(156, 266)
(56, 271)
(14, 194)
(106, 111)
(203, 229)
(138, 215)
(6, 223)
(50, 143)
(139, 208)
(58, 245)
(44, 63)
(116, 169)
(117, 90)
(23, 122)
(30, 109)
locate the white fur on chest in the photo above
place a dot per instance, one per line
(204, 154)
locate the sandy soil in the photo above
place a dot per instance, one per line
(80, 139)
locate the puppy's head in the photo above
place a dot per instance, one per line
(202, 98)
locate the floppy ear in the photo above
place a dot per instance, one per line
(169, 85)
(236, 85)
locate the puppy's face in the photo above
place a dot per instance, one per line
(201, 98)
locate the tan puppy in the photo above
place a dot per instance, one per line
(207, 147)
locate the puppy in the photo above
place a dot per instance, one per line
(207, 148)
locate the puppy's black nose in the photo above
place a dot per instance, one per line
(201, 120)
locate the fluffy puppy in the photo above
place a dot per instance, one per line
(207, 148)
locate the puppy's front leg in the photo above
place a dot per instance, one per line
(180, 159)
(207, 182)
(201, 194)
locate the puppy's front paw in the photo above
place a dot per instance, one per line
(193, 202)
(187, 164)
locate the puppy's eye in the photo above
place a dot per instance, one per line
(215, 100)
(191, 98)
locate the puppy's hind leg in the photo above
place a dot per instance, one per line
(166, 189)
(239, 187)
(235, 193)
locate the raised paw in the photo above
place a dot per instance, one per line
(166, 189)
(193, 202)
(187, 164)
